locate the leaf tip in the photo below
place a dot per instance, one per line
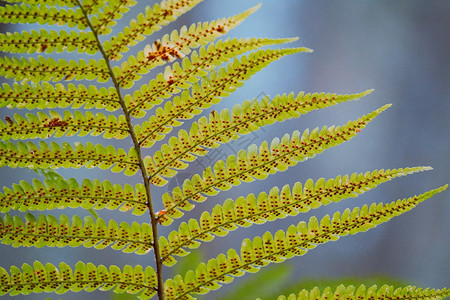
(366, 92)
(254, 8)
(384, 107)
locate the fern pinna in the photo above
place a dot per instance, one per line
(200, 70)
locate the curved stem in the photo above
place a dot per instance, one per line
(154, 221)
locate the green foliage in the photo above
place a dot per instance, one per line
(42, 125)
(295, 241)
(47, 231)
(365, 293)
(64, 193)
(29, 155)
(259, 162)
(49, 69)
(250, 210)
(42, 14)
(200, 70)
(48, 42)
(88, 277)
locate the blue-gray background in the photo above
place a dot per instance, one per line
(399, 48)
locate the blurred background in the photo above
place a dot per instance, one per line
(400, 49)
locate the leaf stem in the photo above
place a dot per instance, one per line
(136, 144)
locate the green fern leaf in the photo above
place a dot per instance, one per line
(43, 126)
(55, 156)
(176, 78)
(46, 95)
(47, 231)
(42, 15)
(68, 3)
(47, 278)
(46, 69)
(161, 14)
(91, 7)
(48, 41)
(106, 19)
(214, 87)
(369, 293)
(173, 47)
(222, 128)
(249, 210)
(187, 87)
(296, 241)
(60, 194)
(250, 165)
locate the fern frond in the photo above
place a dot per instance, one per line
(250, 165)
(45, 95)
(213, 88)
(265, 207)
(161, 14)
(61, 194)
(295, 241)
(48, 41)
(41, 125)
(28, 155)
(47, 231)
(91, 7)
(46, 69)
(222, 128)
(175, 46)
(176, 78)
(68, 3)
(106, 19)
(41, 278)
(42, 15)
(370, 293)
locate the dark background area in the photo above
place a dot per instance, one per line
(400, 49)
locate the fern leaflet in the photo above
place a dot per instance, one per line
(47, 278)
(48, 42)
(68, 3)
(44, 126)
(61, 194)
(47, 231)
(369, 293)
(103, 21)
(211, 91)
(176, 78)
(251, 165)
(154, 18)
(222, 128)
(249, 210)
(178, 45)
(41, 14)
(55, 156)
(296, 241)
(45, 95)
(48, 69)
